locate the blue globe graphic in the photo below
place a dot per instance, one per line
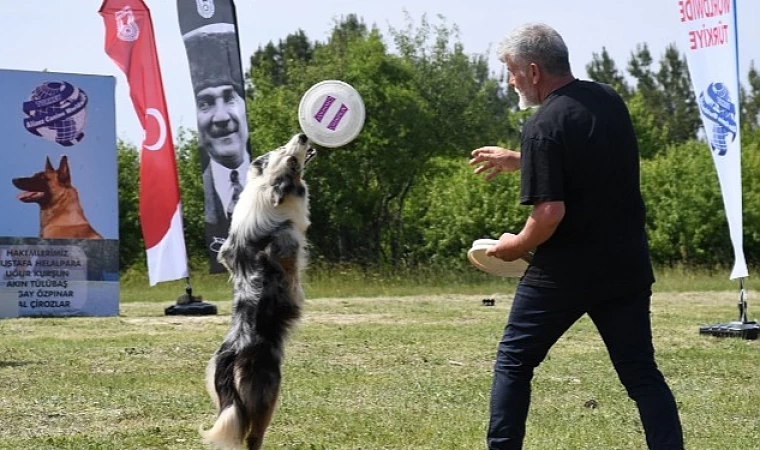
(60, 109)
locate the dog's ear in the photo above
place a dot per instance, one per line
(288, 183)
(278, 193)
(293, 164)
(260, 163)
(48, 167)
(64, 175)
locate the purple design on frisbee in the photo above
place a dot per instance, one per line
(329, 100)
(336, 120)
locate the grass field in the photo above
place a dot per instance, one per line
(366, 372)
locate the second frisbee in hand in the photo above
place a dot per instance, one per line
(331, 113)
(491, 264)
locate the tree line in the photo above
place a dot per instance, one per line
(402, 193)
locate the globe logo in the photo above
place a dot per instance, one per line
(717, 107)
(57, 112)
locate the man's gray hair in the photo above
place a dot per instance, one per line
(536, 43)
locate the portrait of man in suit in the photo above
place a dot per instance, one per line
(222, 125)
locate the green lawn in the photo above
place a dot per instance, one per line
(364, 373)
(351, 281)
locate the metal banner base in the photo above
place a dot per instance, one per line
(748, 330)
(741, 328)
(195, 308)
(190, 305)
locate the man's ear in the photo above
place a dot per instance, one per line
(535, 73)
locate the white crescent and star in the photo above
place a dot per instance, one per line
(159, 144)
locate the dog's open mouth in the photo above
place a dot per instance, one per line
(30, 197)
(311, 153)
(31, 191)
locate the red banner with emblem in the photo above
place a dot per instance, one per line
(130, 43)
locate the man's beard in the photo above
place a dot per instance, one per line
(525, 101)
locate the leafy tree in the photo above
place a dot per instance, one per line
(640, 68)
(131, 247)
(603, 69)
(750, 101)
(678, 104)
(275, 60)
(667, 93)
(191, 193)
(685, 218)
(653, 136)
(452, 207)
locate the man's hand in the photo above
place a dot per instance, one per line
(540, 226)
(509, 248)
(495, 160)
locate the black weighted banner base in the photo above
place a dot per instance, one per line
(188, 305)
(744, 330)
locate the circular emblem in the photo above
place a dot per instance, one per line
(206, 8)
(126, 26)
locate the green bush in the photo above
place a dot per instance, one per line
(686, 219)
(452, 207)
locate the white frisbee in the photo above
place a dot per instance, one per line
(491, 264)
(331, 113)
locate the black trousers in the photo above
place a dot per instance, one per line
(539, 317)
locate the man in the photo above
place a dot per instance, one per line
(222, 126)
(579, 166)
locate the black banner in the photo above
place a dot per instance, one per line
(209, 31)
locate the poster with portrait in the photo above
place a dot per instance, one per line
(59, 237)
(209, 32)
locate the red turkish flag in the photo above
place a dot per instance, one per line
(131, 45)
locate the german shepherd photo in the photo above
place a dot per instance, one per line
(265, 253)
(61, 214)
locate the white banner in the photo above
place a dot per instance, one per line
(708, 32)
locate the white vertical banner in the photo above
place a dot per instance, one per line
(708, 32)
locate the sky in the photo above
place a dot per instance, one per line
(68, 36)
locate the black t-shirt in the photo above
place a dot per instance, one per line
(580, 148)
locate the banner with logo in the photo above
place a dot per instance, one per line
(708, 32)
(209, 31)
(131, 45)
(59, 235)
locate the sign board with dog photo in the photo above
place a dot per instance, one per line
(59, 240)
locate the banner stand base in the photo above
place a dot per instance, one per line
(194, 307)
(190, 305)
(744, 330)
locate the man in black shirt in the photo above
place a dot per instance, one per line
(579, 166)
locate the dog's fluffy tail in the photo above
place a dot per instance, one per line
(226, 432)
(243, 377)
